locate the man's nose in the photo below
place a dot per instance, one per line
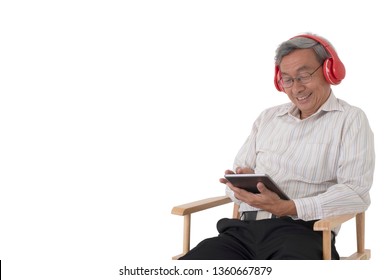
(297, 87)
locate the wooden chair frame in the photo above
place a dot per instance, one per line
(324, 225)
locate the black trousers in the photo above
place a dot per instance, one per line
(270, 239)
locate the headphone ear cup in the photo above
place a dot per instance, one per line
(334, 71)
(327, 71)
(277, 78)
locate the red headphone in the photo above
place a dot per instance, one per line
(333, 68)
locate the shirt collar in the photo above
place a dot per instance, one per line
(332, 104)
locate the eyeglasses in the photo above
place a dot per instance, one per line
(304, 78)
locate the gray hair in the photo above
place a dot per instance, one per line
(301, 43)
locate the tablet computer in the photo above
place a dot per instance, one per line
(249, 183)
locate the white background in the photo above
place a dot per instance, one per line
(112, 112)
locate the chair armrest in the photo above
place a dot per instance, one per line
(332, 222)
(200, 205)
(187, 209)
(328, 224)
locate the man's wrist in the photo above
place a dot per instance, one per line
(286, 208)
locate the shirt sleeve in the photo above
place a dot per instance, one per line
(355, 171)
(246, 157)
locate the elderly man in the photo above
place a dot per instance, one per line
(317, 148)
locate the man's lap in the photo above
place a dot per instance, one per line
(282, 238)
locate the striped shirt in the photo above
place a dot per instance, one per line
(324, 163)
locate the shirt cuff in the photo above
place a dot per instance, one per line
(308, 208)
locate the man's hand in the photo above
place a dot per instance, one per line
(239, 170)
(266, 199)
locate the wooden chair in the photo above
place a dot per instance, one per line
(324, 225)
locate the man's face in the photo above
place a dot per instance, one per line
(310, 96)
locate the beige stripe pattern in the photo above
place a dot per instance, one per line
(324, 163)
